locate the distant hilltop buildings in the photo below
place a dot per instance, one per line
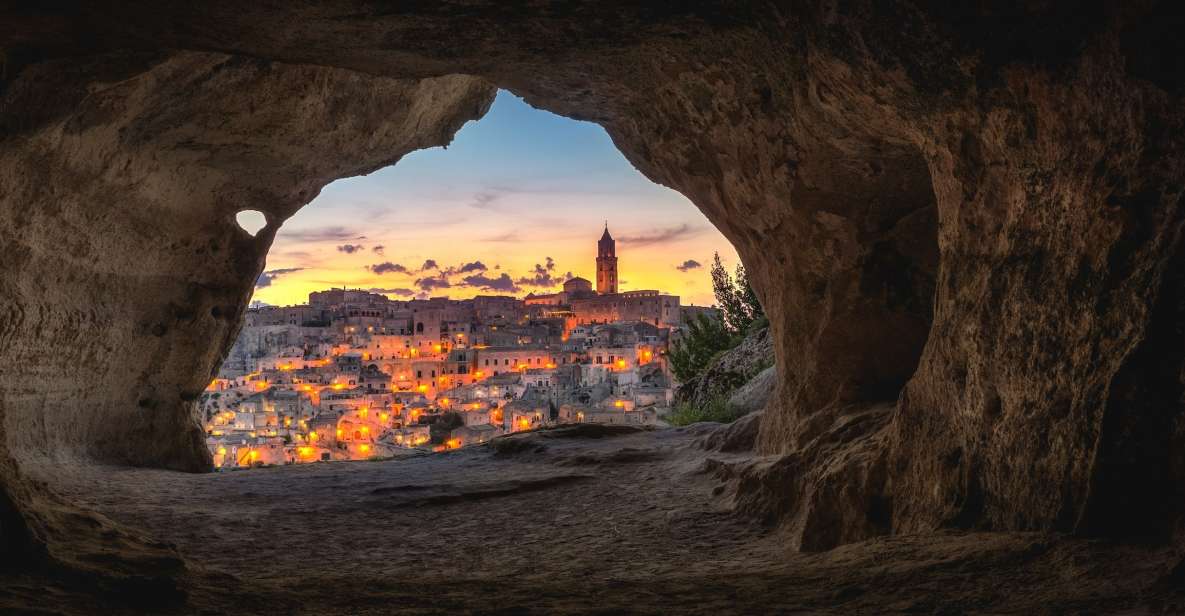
(353, 374)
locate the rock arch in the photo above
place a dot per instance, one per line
(965, 240)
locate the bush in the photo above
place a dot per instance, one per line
(705, 340)
(716, 409)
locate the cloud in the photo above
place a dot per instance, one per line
(509, 236)
(689, 265)
(501, 283)
(662, 236)
(435, 282)
(267, 278)
(387, 267)
(485, 200)
(350, 248)
(465, 268)
(430, 264)
(322, 234)
(378, 249)
(397, 291)
(541, 276)
(476, 266)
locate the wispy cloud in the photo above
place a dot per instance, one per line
(486, 200)
(430, 264)
(689, 265)
(387, 267)
(322, 234)
(509, 236)
(349, 248)
(662, 236)
(267, 278)
(378, 249)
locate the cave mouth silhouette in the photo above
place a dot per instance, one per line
(1047, 396)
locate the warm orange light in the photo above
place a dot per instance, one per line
(479, 374)
(415, 413)
(254, 455)
(453, 443)
(307, 388)
(364, 448)
(619, 404)
(383, 416)
(522, 366)
(261, 385)
(287, 422)
(222, 451)
(363, 411)
(365, 430)
(621, 363)
(422, 388)
(524, 423)
(444, 402)
(340, 433)
(550, 365)
(339, 386)
(312, 436)
(436, 348)
(304, 451)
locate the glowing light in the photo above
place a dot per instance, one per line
(550, 365)
(524, 423)
(365, 430)
(339, 386)
(383, 416)
(444, 402)
(312, 436)
(340, 433)
(436, 348)
(260, 385)
(305, 452)
(522, 366)
(307, 388)
(453, 443)
(479, 374)
(619, 404)
(364, 448)
(621, 363)
(222, 451)
(422, 388)
(254, 455)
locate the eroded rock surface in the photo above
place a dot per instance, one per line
(964, 225)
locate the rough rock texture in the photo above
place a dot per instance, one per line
(964, 223)
(754, 395)
(730, 371)
(607, 522)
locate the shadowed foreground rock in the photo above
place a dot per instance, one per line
(964, 226)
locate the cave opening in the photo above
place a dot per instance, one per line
(445, 300)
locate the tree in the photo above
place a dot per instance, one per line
(705, 338)
(737, 300)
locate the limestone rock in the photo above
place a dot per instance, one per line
(964, 223)
(731, 370)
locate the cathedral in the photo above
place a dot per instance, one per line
(606, 264)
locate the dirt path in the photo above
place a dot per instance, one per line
(547, 524)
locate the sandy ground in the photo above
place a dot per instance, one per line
(555, 523)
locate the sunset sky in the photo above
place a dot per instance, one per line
(512, 206)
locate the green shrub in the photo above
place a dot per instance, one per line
(716, 409)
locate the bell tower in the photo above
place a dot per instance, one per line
(606, 263)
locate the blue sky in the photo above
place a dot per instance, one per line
(513, 188)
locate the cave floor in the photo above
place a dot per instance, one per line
(554, 522)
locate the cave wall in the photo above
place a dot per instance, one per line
(961, 222)
(126, 274)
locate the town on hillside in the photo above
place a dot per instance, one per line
(355, 375)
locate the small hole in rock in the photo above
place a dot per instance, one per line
(251, 221)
